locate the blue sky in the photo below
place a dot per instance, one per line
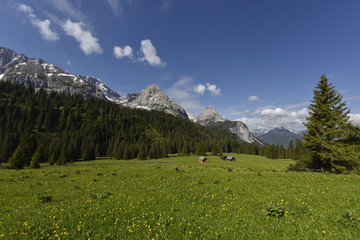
(255, 60)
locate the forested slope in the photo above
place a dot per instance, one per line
(65, 128)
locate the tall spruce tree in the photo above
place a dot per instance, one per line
(329, 130)
(291, 151)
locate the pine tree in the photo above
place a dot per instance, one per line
(185, 150)
(299, 149)
(142, 153)
(18, 159)
(52, 159)
(329, 131)
(36, 159)
(200, 150)
(280, 152)
(290, 151)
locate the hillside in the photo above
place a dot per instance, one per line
(66, 128)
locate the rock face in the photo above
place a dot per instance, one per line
(9, 58)
(37, 73)
(211, 118)
(243, 133)
(153, 98)
(208, 116)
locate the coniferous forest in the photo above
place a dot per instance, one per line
(58, 128)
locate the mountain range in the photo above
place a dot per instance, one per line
(37, 73)
(278, 135)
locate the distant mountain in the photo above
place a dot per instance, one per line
(280, 135)
(153, 98)
(37, 73)
(259, 132)
(211, 118)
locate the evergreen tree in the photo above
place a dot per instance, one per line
(280, 152)
(290, 151)
(36, 159)
(185, 149)
(200, 150)
(18, 159)
(52, 159)
(142, 153)
(299, 149)
(330, 134)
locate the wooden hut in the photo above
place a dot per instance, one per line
(230, 158)
(203, 159)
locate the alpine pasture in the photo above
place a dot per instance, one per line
(178, 198)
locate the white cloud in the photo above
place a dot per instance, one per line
(42, 25)
(355, 118)
(200, 88)
(273, 117)
(123, 52)
(268, 112)
(25, 8)
(88, 43)
(150, 55)
(68, 62)
(253, 98)
(44, 29)
(214, 91)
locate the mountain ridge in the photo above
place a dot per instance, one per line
(211, 118)
(280, 135)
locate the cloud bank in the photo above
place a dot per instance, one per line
(88, 43)
(273, 117)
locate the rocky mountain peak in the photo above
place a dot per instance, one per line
(9, 58)
(209, 115)
(153, 98)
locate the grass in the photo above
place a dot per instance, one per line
(252, 198)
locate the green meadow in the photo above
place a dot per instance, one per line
(178, 198)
